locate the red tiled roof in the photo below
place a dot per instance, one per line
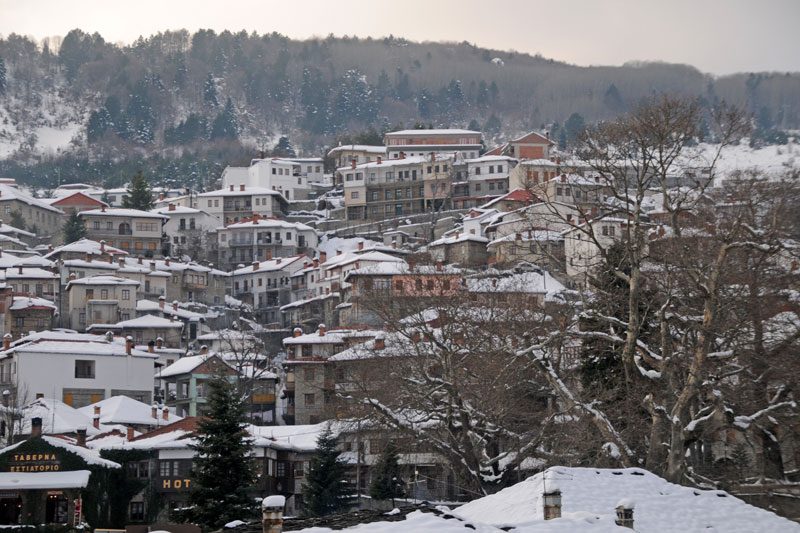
(533, 138)
(187, 424)
(496, 151)
(519, 195)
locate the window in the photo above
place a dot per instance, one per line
(354, 195)
(209, 203)
(309, 398)
(89, 294)
(96, 224)
(499, 168)
(20, 322)
(109, 225)
(559, 191)
(84, 369)
(398, 193)
(430, 169)
(491, 185)
(104, 294)
(477, 171)
(477, 186)
(137, 511)
(408, 192)
(139, 245)
(388, 194)
(126, 294)
(280, 470)
(374, 196)
(309, 373)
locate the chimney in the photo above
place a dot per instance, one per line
(49, 248)
(255, 218)
(171, 207)
(316, 263)
(272, 513)
(72, 276)
(552, 504)
(152, 265)
(297, 332)
(36, 427)
(597, 179)
(154, 411)
(394, 244)
(103, 208)
(625, 513)
(552, 159)
(166, 261)
(558, 160)
(327, 290)
(438, 266)
(360, 245)
(518, 236)
(102, 247)
(379, 160)
(204, 349)
(172, 318)
(323, 256)
(7, 341)
(458, 234)
(20, 269)
(161, 196)
(231, 187)
(402, 155)
(96, 410)
(6, 397)
(165, 413)
(278, 261)
(321, 330)
(241, 187)
(472, 231)
(563, 178)
(547, 134)
(80, 433)
(129, 435)
(140, 260)
(255, 265)
(433, 157)
(494, 283)
(128, 344)
(159, 343)
(151, 347)
(352, 163)
(269, 255)
(161, 302)
(339, 252)
(96, 424)
(380, 343)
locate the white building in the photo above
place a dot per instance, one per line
(233, 203)
(260, 239)
(78, 368)
(189, 230)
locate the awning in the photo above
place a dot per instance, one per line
(44, 480)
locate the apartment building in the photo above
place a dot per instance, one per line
(384, 189)
(258, 239)
(47, 220)
(131, 230)
(420, 143)
(266, 286)
(103, 299)
(478, 180)
(189, 231)
(232, 204)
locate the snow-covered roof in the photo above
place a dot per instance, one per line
(358, 148)
(416, 160)
(462, 236)
(146, 306)
(523, 282)
(266, 222)
(126, 410)
(427, 133)
(9, 229)
(177, 210)
(30, 273)
(59, 343)
(185, 365)
(28, 302)
(83, 263)
(590, 496)
(57, 418)
(334, 336)
(273, 265)
(539, 235)
(489, 159)
(33, 261)
(248, 191)
(74, 479)
(149, 321)
(7, 192)
(86, 246)
(103, 279)
(122, 212)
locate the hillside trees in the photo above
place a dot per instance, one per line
(139, 195)
(74, 228)
(325, 490)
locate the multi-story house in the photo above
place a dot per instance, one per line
(413, 143)
(33, 282)
(574, 189)
(266, 286)
(134, 231)
(258, 239)
(192, 321)
(46, 219)
(77, 202)
(530, 172)
(360, 153)
(29, 314)
(480, 179)
(462, 248)
(232, 204)
(101, 299)
(189, 231)
(190, 282)
(438, 180)
(531, 146)
(145, 330)
(78, 368)
(583, 244)
(186, 382)
(384, 189)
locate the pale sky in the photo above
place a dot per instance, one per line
(716, 36)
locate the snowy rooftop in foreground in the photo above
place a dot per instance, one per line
(44, 480)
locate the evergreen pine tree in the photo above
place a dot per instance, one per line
(222, 471)
(139, 194)
(225, 125)
(326, 490)
(387, 483)
(17, 220)
(74, 228)
(210, 91)
(3, 81)
(284, 148)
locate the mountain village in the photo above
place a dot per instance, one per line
(312, 288)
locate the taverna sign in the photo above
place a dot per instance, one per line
(34, 462)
